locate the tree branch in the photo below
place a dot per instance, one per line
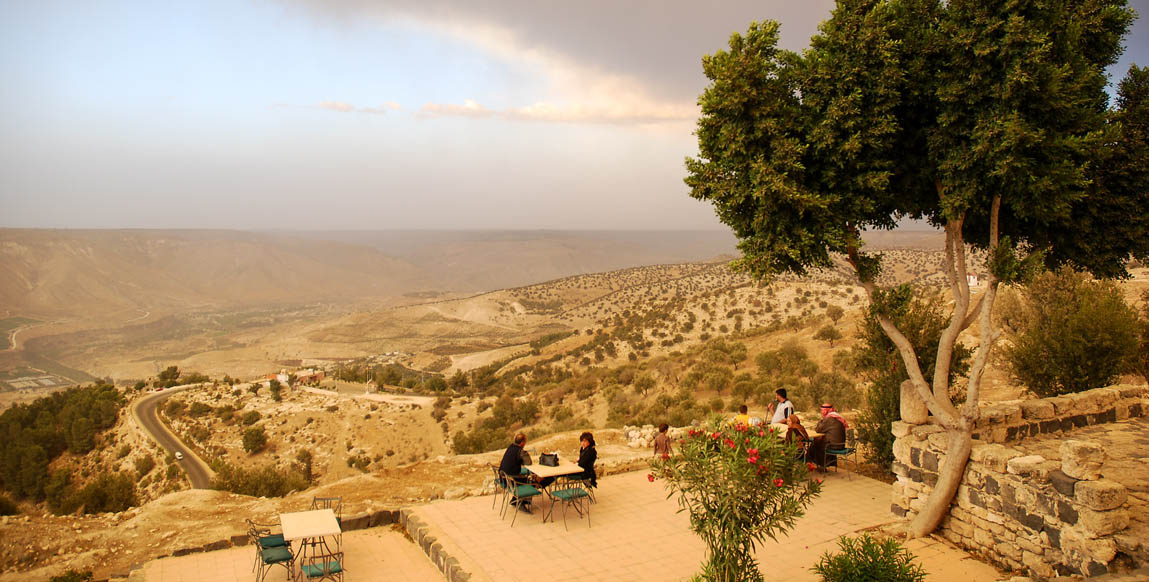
(943, 411)
(989, 336)
(955, 269)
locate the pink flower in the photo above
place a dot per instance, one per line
(779, 482)
(761, 434)
(650, 477)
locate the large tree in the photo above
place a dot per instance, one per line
(987, 118)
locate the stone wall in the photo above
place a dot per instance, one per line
(1026, 512)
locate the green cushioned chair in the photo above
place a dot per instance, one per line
(266, 558)
(516, 494)
(571, 492)
(844, 451)
(323, 567)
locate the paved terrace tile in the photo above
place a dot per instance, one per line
(635, 533)
(373, 554)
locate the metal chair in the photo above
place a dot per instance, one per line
(260, 534)
(323, 567)
(498, 486)
(571, 492)
(586, 483)
(267, 556)
(844, 450)
(517, 492)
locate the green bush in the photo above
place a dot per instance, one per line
(108, 493)
(254, 439)
(739, 487)
(251, 417)
(1069, 333)
(144, 465)
(35, 434)
(864, 558)
(266, 481)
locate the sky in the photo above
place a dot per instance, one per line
(405, 114)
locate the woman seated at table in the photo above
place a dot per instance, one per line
(796, 433)
(586, 457)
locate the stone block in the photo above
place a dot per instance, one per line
(1082, 459)
(997, 459)
(1100, 495)
(1037, 410)
(1062, 406)
(898, 510)
(938, 442)
(240, 540)
(1084, 548)
(902, 450)
(1130, 391)
(991, 486)
(216, 545)
(1067, 513)
(915, 457)
(1036, 565)
(923, 431)
(1052, 536)
(899, 428)
(913, 409)
(1102, 523)
(355, 522)
(1027, 465)
(1064, 484)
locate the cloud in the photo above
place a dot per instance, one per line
(343, 107)
(602, 61)
(469, 108)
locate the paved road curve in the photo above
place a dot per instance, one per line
(144, 411)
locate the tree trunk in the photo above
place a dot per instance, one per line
(959, 442)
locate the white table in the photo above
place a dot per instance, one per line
(563, 468)
(310, 527)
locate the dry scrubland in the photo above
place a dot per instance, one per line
(595, 351)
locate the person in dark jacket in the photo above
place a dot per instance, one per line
(833, 433)
(512, 466)
(586, 457)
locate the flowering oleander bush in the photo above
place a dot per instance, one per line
(740, 485)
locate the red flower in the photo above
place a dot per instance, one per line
(819, 481)
(729, 443)
(747, 440)
(753, 459)
(761, 434)
(811, 466)
(779, 482)
(761, 469)
(771, 430)
(715, 435)
(665, 456)
(650, 477)
(752, 452)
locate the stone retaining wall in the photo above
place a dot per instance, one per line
(1024, 512)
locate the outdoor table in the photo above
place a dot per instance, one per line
(310, 527)
(543, 471)
(780, 429)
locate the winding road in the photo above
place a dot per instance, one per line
(144, 412)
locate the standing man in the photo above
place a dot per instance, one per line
(783, 409)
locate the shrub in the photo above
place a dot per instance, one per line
(1070, 333)
(144, 465)
(864, 558)
(739, 486)
(251, 417)
(73, 576)
(112, 492)
(254, 439)
(7, 507)
(265, 481)
(199, 409)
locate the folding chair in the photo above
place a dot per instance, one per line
(844, 450)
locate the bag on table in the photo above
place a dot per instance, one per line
(549, 459)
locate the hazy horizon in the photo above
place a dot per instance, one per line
(362, 115)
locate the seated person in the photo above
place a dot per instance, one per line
(743, 417)
(586, 457)
(512, 466)
(661, 441)
(783, 409)
(833, 428)
(795, 432)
